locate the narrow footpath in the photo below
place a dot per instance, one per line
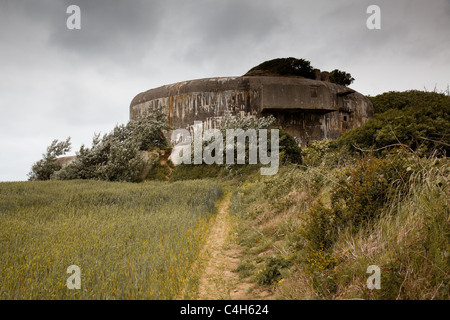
(218, 261)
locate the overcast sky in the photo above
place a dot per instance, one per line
(56, 82)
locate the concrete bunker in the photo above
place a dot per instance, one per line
(307, 109)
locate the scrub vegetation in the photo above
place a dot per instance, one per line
(379, 195)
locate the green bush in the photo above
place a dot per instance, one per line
(363, 191)
(290, 152)
(245, 269)
(412, 99)
(286, 67)
(341, 77)
(321, 228)
(47, 166)
(416, 120)
(297, 67)
(158, 172)
(117, 155)
(319, 265)
(358, 198)
(271, 271)
(327, 154)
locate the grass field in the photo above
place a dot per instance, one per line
(131, 241)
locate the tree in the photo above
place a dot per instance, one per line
(341, 77)
(286, 67)
(47, 166)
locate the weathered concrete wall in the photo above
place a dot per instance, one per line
(307, 109)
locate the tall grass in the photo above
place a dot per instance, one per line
(410, 242)
(131, 241)
(331, 223)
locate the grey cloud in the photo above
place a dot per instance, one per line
(229, 21)
(121, 31)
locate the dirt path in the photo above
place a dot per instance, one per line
(221, 256)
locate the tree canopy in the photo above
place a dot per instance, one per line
(293, 67)
(285, 67)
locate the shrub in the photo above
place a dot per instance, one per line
(410, 242)
(363, 190)
(286, 67)
(290, 152)
(327, 154)
(158, 172)
(117, 155)
(414, 99)
(198, 171)
(341, 77)
(417, 120)
(245, 269)
(319, 266)
(271, 271)
(320, 229)
(47, 166)
(358, 199)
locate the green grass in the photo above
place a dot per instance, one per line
(317, 220)
(131, 241)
